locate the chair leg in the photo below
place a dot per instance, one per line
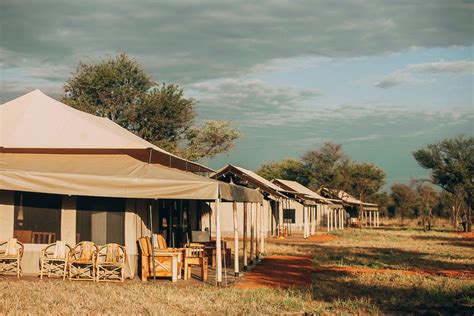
(204, 269)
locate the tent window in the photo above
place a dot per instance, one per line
(100, 220)
(289, 215)
(37, 217)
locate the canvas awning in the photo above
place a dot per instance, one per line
(36, 123)
(350, 200)
(275, 192)
(301, 190)
(111, 176)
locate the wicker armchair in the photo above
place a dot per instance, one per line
(11, 252)
(82, 261)
(54, 258)
(111, 262)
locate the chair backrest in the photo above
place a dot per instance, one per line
(60, 250)
(113, 253)
(195, 250)
(87, 250)
(145, 246)
(12, 247)
(160, 242)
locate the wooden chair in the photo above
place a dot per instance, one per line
(11, 252)
(54, 258)
(82, 261)
(111, 262)
(166, 262)
(195, 255)
(160, 245)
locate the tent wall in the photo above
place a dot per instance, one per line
(135, 225)
(227, 222)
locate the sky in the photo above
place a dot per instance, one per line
(383, 78)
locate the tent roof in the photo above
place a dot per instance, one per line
(258, 181)
(111, 176)
(300, 189)
(37, 121)
(349, 199)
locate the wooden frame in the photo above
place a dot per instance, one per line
(10, 259)
(195, 255)
(82, 262)
(53, 260)
(162, 264)
(110, 263)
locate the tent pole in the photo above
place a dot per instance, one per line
(152, 240)
(218, 244)
(262, 233)
(244, 246)
(236, 240)
(252, 234)
(257, 231)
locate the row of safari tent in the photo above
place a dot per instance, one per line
(71, 176)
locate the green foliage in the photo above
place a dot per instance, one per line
(287, 169)
(404, 199)
(120, 89)
(213, 138)
(324, 166)
(362, 179)
(452, 167)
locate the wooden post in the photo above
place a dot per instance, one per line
(252, 237)
(263, 232)
(236, 240)
(327, 217)
(245, 237)
(343, 217)
(378, 219)
(218, 244)
(370, 218)
(257, 231)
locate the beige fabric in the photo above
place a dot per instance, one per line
(87, 250)
(299, 188)
(60, 251)
(12, 247)
(257, 180)
(113, 253)
(35, 120)
(111, 176)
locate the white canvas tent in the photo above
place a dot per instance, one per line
(49, 148)
(36, 123)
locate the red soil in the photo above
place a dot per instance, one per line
(467, 235)
(279, 271)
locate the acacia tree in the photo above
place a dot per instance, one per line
(452, 168)
(287, 169)
(363, 179)
(404, 199)
(324, 166)
(427, 198)
(120, 89)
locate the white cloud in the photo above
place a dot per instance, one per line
(450, 67)
(406, 75)
(394, 79)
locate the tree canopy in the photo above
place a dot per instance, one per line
(451, 162)
(287, 169)
(120, 89)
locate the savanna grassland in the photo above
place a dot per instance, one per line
(374, 271)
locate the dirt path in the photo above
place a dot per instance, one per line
(279, 271)
(361, 270)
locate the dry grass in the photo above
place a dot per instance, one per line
(332, 292)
